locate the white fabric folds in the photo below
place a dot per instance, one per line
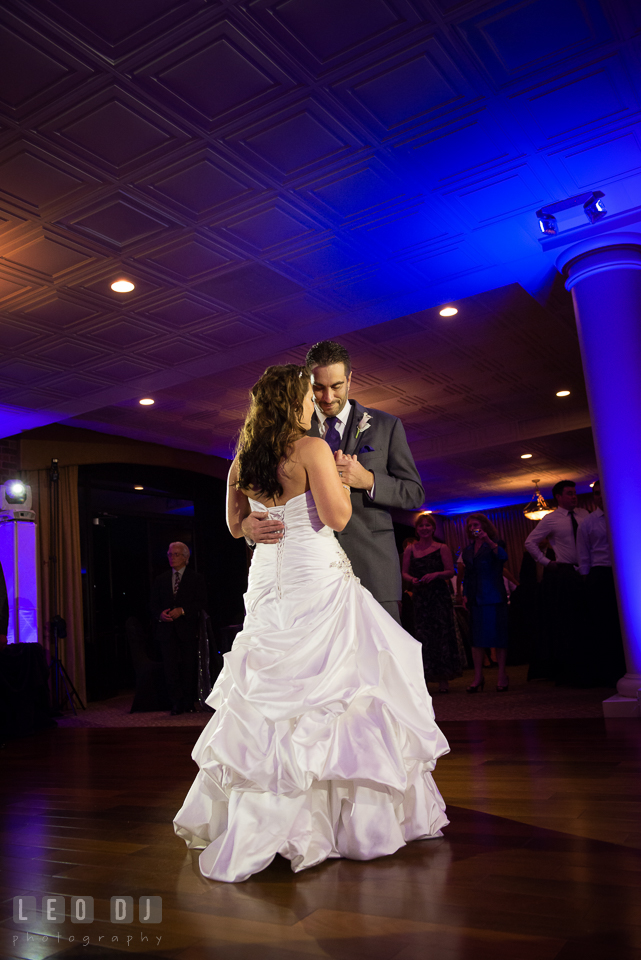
(324, 741)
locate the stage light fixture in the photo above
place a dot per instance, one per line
(594, 208)
(548, 224)
(15, 491)
(122, 286)
(448, 312)
(146, 402)
(563, 393)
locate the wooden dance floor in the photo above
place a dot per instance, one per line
(542, 859)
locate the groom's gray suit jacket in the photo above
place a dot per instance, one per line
(368, 539)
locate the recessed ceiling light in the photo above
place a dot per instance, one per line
(448, 312)
(593, 482)
(526, 456)
(563, 393)
(122, 286)
(146, 402)
(139, 488)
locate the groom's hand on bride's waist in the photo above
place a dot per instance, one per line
(260, 528)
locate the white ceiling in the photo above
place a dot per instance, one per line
(273, 172)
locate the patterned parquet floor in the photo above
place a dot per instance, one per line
(541, 861)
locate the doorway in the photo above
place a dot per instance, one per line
(129, 514)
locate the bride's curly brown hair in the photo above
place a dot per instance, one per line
(271, 426)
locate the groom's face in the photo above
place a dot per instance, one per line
(331, 388)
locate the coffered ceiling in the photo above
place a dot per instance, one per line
(273, 172)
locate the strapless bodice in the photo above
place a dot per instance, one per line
(299, 515)
(307, 552)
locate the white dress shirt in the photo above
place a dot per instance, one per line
(557, 527)
(592, 542)
(342, 417)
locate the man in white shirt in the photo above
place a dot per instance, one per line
(595, 563)
(559, 653)
(560, 528)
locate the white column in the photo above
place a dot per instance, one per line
(604, 275)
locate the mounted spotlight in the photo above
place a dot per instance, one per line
(592, 205)
(548, 224)
(594, 208)
(15, 491)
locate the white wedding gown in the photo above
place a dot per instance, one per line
(323, 741)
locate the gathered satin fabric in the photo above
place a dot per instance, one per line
(323, 741)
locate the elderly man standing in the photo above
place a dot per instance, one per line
(177, 597)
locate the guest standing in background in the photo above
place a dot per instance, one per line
(427, 568)
(177, 597)
(559, 655)
(485, 597)
(604, 659)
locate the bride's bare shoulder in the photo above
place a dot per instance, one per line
(312, 447)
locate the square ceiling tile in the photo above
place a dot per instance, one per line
(182, 312)
(120, 221)
(123, 369)
(175, 352)
(60, 312)
(122, 333)
(114, 130)
(249, 286)
(68, 353)
(49, 256)
(189, 260)
(201, 185)
(216, 74)
(21, 370)
(33, 180)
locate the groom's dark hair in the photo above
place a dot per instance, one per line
(327, 352)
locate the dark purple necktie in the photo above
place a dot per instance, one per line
(332, 436)
(575, 525)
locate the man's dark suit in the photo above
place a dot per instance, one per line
(368, 539)
(179, 640)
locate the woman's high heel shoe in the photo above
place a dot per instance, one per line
(475, 687)
(505, 688)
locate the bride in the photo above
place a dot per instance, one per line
(323, 741)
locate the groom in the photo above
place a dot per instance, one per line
(373, 457)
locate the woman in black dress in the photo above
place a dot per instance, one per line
(485, 596)
(427, 566)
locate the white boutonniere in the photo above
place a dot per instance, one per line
(363, 424)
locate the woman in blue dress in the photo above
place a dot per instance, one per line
(485, 597)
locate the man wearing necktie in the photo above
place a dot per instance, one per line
(177, 597)
(560, 652)
(373, 458)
